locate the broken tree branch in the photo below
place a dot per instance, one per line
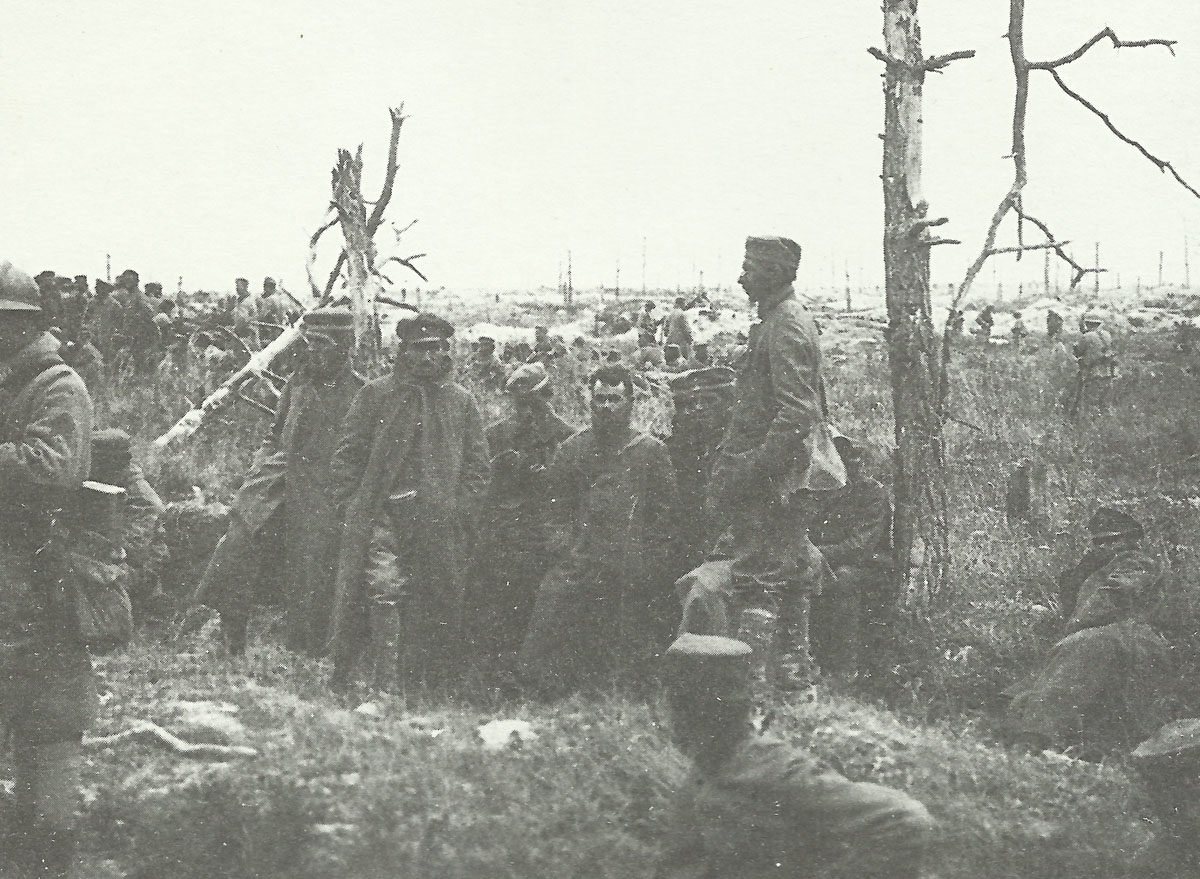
(147, 731)
(407, 263)
(1045, 245)
(938, 63)
(1161, 164)
(1108, 34)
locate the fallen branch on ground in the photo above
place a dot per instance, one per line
(152, 733)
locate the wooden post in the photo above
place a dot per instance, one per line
(1160, 267)
(1046, 272)
(570, 296)
(1096, 276)
(921, 522)
(1187, 272)
(849, 306)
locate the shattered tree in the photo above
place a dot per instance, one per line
(922, 524)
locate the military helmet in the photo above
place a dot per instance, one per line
(18, 291)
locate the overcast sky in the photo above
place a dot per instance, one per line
(196, 139)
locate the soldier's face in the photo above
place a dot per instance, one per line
(758, 277)
(425, 359)
(326, 354)
(611, 405)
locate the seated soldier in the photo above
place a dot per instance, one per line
(112, 463)
(1097, 684)
(853, 531)
(758, 806)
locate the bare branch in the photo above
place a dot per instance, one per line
(933, 242)
(312, 252)
(1108, 34)
(1046, 245)
(389, 180)
(407, 263)
(938, 63)
(1161, 164)
(887, 59)
(932, 64)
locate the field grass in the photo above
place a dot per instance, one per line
(336, 793)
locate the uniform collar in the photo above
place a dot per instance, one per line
(772, 301)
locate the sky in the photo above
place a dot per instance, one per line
(195, 139)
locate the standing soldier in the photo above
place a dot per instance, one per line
(647, 326)
(759, 482)
(755, 805)
(679, 331)
(1018, 331)
(286, 502)
(137, 330)
(74, 307)
(245, 314)
(598, 611)
(50, 297)
(272, 311)
(1096, 361)
(983, 323)
(104, 318)
(511, 556)
(47, 692)
(410, 473)
(485, 367)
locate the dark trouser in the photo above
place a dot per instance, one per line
(849, 618)
(233, 583)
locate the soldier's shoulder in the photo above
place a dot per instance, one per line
(766, 761)
(792, 317)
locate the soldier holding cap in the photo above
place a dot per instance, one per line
(47, 691)
(286, 503)
(758, 806)
(410, 472)
(511, 557)
(1100, 680)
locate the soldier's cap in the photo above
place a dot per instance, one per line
(45, 275)
(268, 282)
(328, 320)
(129, 274)
(528, 378)
(773, 248)
(1177, 742)
(103, 286)
(240, 281)
(153, 287)
(1092, 317)
(709, 667)
(424, 327)
(18, 291)
(83, 278)
(1108, 523)
(698, 381)
(487, 340)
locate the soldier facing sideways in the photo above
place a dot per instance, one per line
(47, 691)
(1096, 362)
(678, 329)
(410, 474)
(756, 806)
(283, 520)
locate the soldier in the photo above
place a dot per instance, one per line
(47, 692)
(112, 463)
(755, 805)
(245, 314)
(983, 323)
(678, 330)
(286, 503)
(410, 474)
(613, 508)
(104, 318)
(50, 297)
(647, 326)
(1018, 331)
(74, 306)
(673, 359)
(1098, 684)
(1096, 362)
(760, 478)
(272, 312)
(511, 558)
(955, 321)
(485, 367)
(853, 531)
(701, 400)
(1054, 324)
(138, 335)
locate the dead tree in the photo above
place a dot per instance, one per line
(921, 524)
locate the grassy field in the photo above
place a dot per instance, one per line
(411, 791)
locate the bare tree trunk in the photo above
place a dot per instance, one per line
(922, 526)
(360, 249)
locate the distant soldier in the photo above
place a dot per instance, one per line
(50, 297)
(647, 326)
(760, 480)
(1054, 324)
(673, 359)
(139, 336)
(245, 314)
(701, 399)
(599, 611)
(755, 805)
(272, 312)
(47, 689)
(164, 323)
(1096, 365)
(1018, 331)
(1100, 680)
(983, 323)
(75, 305)
(511, 557)
(104, 317)
(955, 321)
(485, 367)
(678, 329)
(410, 474)
(853, 531)
(154, 291)
(286, 503)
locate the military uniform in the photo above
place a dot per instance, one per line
(679, 332)
(1096, 368)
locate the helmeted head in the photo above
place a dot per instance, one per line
(611, 389)
(680, 302)
(851, 453)
(769, 265)
(707, 679)
(21, 316)
(103, 288)
(329, 338)
(81, 284)
(649, 306)
(487, 346)
(423, 346)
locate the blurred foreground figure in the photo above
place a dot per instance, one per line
(511, 557)
(286, 503)
(853, 531)
(766, 467)
(1096, 362)
(600, 611)
(410, 474)
(47, 691)
(1100, 680)
(757, 806)
(1168, 764)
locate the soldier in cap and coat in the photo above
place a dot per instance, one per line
(511, 557)
(485, 367)
(754, 805)
(1096, 362)
(47, 692)
(678, 329)
(1097, 684)
(246, 314)
(600, 610)
(286, 504)
(104, 317)
(761, 476)
(410, 473)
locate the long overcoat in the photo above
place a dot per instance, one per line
(434, 431)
